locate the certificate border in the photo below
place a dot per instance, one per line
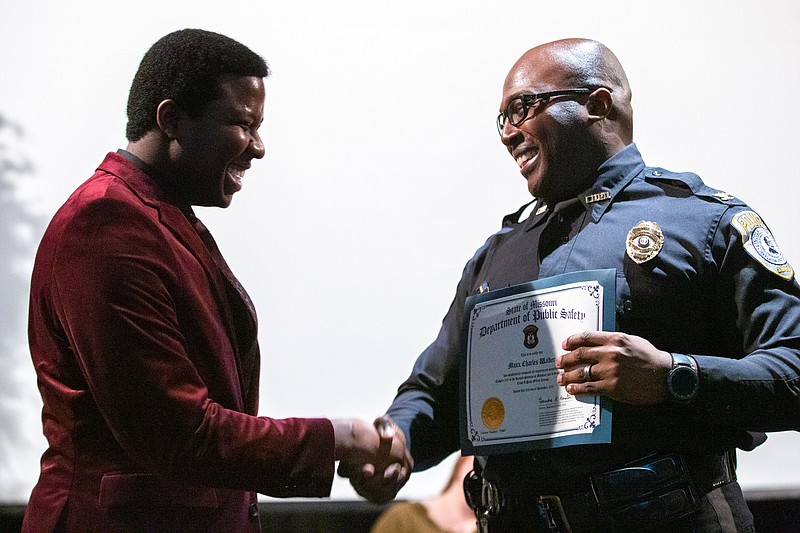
(607, 278)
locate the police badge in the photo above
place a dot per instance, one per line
(644, 241)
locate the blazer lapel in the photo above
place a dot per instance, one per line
(174, 219)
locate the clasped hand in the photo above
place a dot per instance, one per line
(374, 457)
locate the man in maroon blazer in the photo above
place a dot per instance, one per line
(144, 342)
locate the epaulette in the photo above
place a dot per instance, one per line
(694, 183)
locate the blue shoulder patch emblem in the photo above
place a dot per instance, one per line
(760, 244)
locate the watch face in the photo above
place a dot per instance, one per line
(683, 382)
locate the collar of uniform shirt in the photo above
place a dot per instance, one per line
(612, 176)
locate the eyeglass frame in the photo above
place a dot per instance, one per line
(535, 101)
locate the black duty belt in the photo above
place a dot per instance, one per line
(643, 494)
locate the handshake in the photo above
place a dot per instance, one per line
(373, 457)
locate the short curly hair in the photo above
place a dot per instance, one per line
(186, 66)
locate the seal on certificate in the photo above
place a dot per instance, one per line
(531, 338)
(493, 413)
(644, 241)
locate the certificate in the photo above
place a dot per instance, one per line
(510, 400)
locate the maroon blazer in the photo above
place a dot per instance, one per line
(147, 364)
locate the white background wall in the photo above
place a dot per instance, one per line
(383, 170)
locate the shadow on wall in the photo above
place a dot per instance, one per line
(19, 230)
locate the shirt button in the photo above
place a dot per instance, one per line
(656, 173)
(253, 510)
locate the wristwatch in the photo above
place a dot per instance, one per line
(683, 382)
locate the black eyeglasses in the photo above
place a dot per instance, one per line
(520, 107)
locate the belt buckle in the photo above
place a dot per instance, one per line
(552, 513)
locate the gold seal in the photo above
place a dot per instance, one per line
(493, 413)
(644, 241)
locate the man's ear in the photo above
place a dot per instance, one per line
(600, 103)
(167, 117)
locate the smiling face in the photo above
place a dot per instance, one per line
(211, 152)
(557, 148)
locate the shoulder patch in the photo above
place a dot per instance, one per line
(759, 243)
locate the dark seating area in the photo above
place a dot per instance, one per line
(775, 512)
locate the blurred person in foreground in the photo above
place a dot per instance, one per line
(705, 356)
(447, 512)
(145, 344)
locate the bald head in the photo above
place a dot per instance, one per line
(571, 108)
(582, 63)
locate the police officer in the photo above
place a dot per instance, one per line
(706, 352)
